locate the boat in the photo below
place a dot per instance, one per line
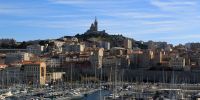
(6, 94)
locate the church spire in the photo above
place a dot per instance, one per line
(96, 24)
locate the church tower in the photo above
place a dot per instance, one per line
(92, 27)
(96, 24)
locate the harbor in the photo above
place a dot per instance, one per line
(127, 91)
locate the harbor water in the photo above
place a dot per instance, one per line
(96, 95)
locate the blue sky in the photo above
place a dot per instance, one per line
(174, 21)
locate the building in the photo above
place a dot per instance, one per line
(34, 72)
(124, 61)
(58, 46)
(145, 59)
(134, 58)
(177, 63)
(17, 57)
(96, 58)
(119, 61)
(53, 62)
(78, 48)
(158, 56)
(156, 45)
(35, 49)
(104, 44)
(151, 45)
(127, 44)
(12, 74)
(6, 42)
(193, 46)
(55, 76)
(168, 48)
(24, 73)
(93, 27)
(109, 61)
(12, 50)
(117, 51)
(69, 39)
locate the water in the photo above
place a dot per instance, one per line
(96, 95)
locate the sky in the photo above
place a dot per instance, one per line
(173, 21)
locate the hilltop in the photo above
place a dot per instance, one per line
(92, 34)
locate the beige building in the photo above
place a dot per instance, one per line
(127, 44)
(158, 56)
(26, 73)
(34, 72)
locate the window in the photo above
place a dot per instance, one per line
(42, 71)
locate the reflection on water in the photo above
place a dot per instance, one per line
(96, 95)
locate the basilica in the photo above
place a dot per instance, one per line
(94, 29)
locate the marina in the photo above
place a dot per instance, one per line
(129, 91)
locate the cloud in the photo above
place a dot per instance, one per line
(165, 22)
(154, 31)
(69, 1)
(174, 5)
(182, 37)
(90, 2)
(22, 10)
(10, 9)
(56, 24)
(136, 15)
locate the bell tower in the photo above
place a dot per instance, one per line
(96, 24)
